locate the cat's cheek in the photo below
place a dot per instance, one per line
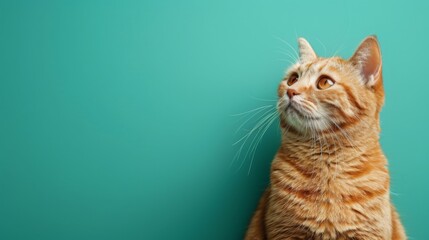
(281, 91)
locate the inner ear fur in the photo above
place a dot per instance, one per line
(306, 52)
(367, 58)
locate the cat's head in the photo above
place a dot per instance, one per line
(320, 94)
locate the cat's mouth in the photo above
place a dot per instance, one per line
(303, 116)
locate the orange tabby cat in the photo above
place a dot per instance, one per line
(329, 178)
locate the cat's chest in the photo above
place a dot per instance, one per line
(325, 204)
(321, 218)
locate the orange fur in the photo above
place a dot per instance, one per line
(329, 178)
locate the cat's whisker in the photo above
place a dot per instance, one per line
(285, 52)
(265, 100)
(259, 140)
(290, 46)
(260, 119)
(254, 128)
(394, 193)
(264, 122)
(253, 115)
(285, 60)
(340, 47)
(266, 116)
(250, 111)
(323, 45)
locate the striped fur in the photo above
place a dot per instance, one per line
(329, 178)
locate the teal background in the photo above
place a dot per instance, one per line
(116, 117)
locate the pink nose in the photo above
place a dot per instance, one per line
(291, 92)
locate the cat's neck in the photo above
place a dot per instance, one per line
(336, 144)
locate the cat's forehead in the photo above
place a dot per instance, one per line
(321, 65)
(330, 66)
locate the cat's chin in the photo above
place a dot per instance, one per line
(305, 124)
(292, 110)
(303, 121)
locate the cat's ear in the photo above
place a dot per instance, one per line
(367, 58)
(306, 52)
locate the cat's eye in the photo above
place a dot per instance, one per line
(325, 82)
(292, 79)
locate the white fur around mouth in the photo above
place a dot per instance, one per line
(299, 113)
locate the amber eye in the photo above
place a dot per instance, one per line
(325, 82)
(292, 79)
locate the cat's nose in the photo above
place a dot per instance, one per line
(291, 92)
